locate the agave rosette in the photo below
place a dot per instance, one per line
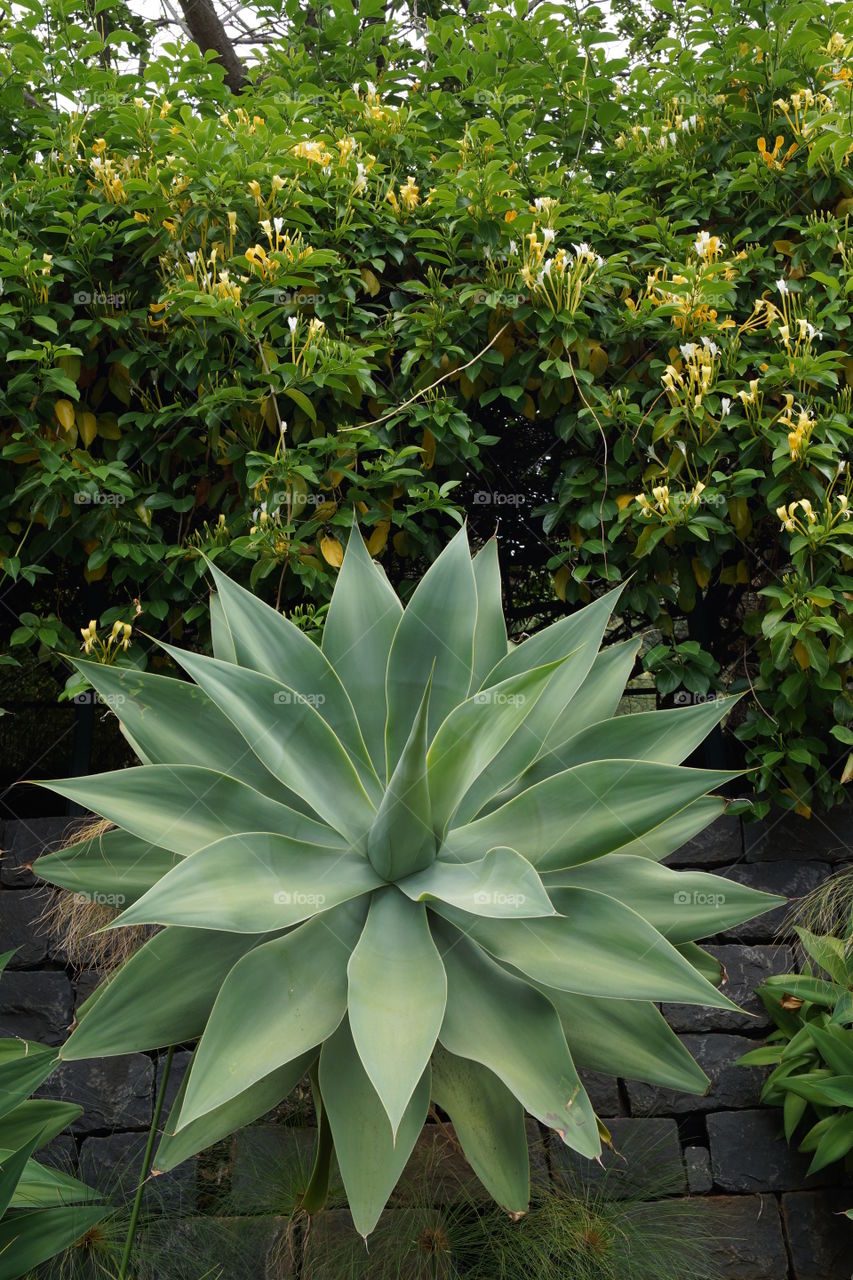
(417, 860)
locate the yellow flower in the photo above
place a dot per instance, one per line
(409, 194)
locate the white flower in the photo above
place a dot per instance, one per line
(361, 179)
(278, 223)
(192, 255)
(688, 350)
(725, 405)
(513, 247)
(548, 234)
(371, 88)
(710, 346)
(782, 286)
(292, 322)
(701, 243)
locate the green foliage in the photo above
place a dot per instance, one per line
(811, 1050)
(402, 911)
(42, 1211)
(368, 282)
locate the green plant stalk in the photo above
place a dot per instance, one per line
(317, 1191)
(146, 1165)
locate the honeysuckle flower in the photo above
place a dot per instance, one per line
(710, 346)
(782, 286)
(725, 406)
(292, 322)
(688, 349)
(548, 234)
(361, 178)
(232, 222)
(660, 493)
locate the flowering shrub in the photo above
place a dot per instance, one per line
(502, 270)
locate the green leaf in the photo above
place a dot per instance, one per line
(40, 1118)
(401, 839)
(502, 884)
(220, 633)
(194, 807)
(11, 1170)
(281, 1000)
(360, 625)
(253, 884)
(494, 1019)
(28, 1239)
(369, 1158)
(674, 832)
(489, 1123)
(435, 635)
(112, 866)
(490, 640)
(397, 996)
(24, 1065)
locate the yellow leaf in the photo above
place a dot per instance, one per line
(325, 510)
(333, 552)
(95, 575)
(428, 449)
(847, 773)
(801, 653)
(64, 411)
(87, 425)
(378, 538)
(119, 382)
(784, 246)
(370, 281)
(576, 534)
(844, 207)
(108, 428)
(529, 410)
(70, 366)
(268, 412)
(401, 543)
(701, 572)
(598, 360)
(623, 500)
(561, 581)
(740, 516)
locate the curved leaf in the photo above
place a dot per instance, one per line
(502, 884)
(490, 641)
(113, 865)
(401, 839)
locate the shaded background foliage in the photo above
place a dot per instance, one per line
(231, 319)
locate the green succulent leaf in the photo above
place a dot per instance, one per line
(502, 884)
(490, 639)
(370, 1158)
(674, 832)
(220, 635)
(111, 866)
(401, 839)
(397, 998)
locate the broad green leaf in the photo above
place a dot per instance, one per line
(267, 642)
(397, 996)
(290, 737)
(401, 839)
(489, 1123)
(583, 627)
(583, 813)
(253, 884)
(502, 884)
(682, 905)
(435, 635)
(220, 633)
(241, 1110)
(674, 832)
(161, 996)
(828, 953)
(173, 721)
(369, 1158)
(42, 1187)
(24, 1065)
(281, 1000)
(499, 1021)
(12, 1165)
(835, 1142)
(473, 735)
(629, 1038)
(817, 990)
(599, 695)
(41, 1118)
(710, 968)
(490, 642)
(193, 807)
(596, 946)
(28, 1239)
(113, 867)
(836, 1048)
(357, 635)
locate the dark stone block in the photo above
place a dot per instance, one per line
(749, 1153)
(35, 1006)
(20, 912)
(718, 844)
(744, 1238)
(603, 1093)
(730, 1087)
(255, 1248)
(697, 1161)
(84, 985)
(820, 1238)
(61, 1153)
(746, 968)
(789, 879)
(115, 1093)
(645, 1160)
(26, 840)
(783, 836)
(113, 1164)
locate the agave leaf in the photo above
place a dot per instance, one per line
(280, 1001)
(267, 642)
(682, 905)
(28, 1239)
(161, 996)
(596, 946)
(490, 642)
(248, 1105)
(220, 633)
(435, 635)
(502, 884)
(489, 1123)
(290, 737)
(599, 695)
(674, 832)
(629, 1038)
(363, 615)
(474, 734)
(193, 807)
(494, 1018)
(369, 1158)
(572, 643)
(708, 966)
(253, 884)
(172, 721)
(111, 864)
(397, 996)
(582, 814)
(401, 839)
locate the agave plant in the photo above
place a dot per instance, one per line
(42, 1210)
(417, 861)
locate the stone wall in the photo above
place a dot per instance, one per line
(767, 1219)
